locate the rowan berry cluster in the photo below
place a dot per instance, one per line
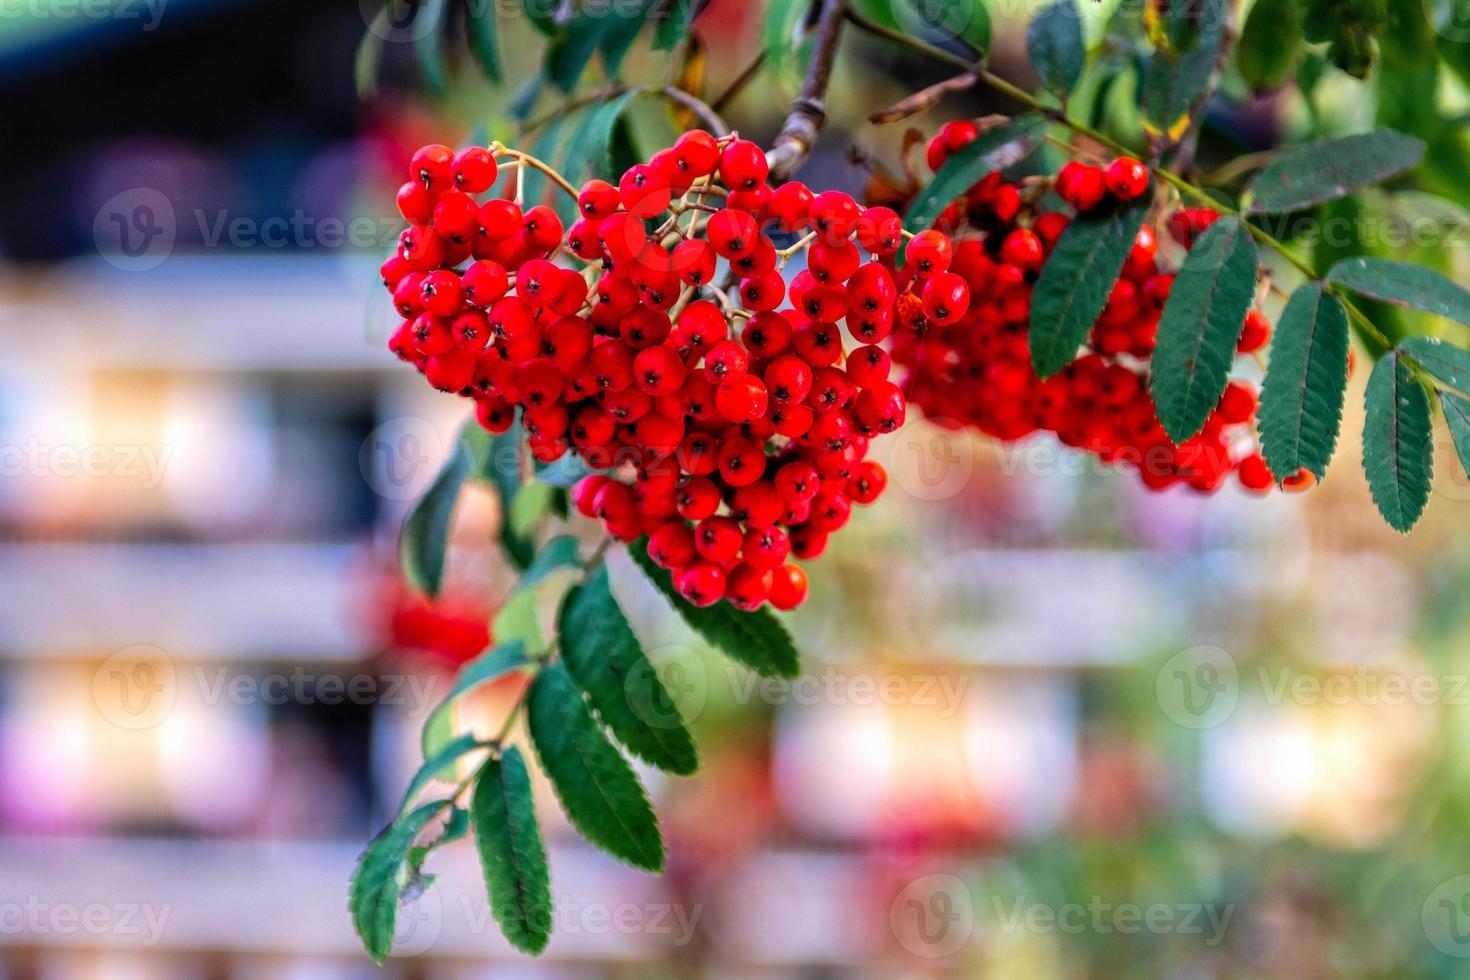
(734, 451)
(977, 370)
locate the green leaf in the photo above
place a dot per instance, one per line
(945, 20)
(1306, 381)
(1457, 414)
(507, 656)
(484, 45)
(996, 149)
(1200, 327)
(590, 147)
(456, 826)
(559, 552)
(370, 54)
(777, 33)
(542, 16)
(428, 46)
(497, 461)
(1325, 170)
(624, 23)
(1270, 43)
(755, 639)
(424, 538)
(598, 790)
(1447, 362)
(1403, 284)
(1398, 452)
(1075, 282)
(606, 660)
(512, 856)
(568, 471)
(440, 761)
(1175, 81)
(675, 19)
(372, 895)
(579, 38)
(1054, 42)
(517, 620)
(534, 183)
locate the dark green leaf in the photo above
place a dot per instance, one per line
(534, 183)
(675, 18)
(424, 538)
(606, 660)
(512, 856)
(373, 893)
(1201, 325)
(440, 761)
(1176, 81)
(428, 46)
(480, 25)
(488, 666)
(1270, 43)
(1403, 284)
(542, 15)
(755, 639)
(568, 471)
(559, 552)
(1398, 452)
(1054, 42)
(456, 825)
(497, 461)
(945, 20)
(1447, 362)
(1075, 282)
(1301, 399)
(624, 23)
(581, 37)
(778, 30)
(523, 100)
(589, 150)
(1325, 170)
(997, 149)
(598, 790)
(1457, 414)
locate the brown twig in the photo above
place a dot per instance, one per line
(809, 109)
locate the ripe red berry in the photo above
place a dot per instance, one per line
(743, 165)
(741, 398)
(475, 170)
(788, 587)
(1126, 178)
(835, 215)
(1023, 248)
(929, 252)
(1254, 332)
(433, 166)
(644, 191)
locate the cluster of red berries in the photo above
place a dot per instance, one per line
(977, 370)
(733, 451)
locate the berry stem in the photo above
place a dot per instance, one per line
(499, 149)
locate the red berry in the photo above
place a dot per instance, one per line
(743, 165)
(1254, 332)
(433, 166)
(644, 191)
(1126, 178)
(475, 170)
(788, 587)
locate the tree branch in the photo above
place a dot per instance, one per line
(809, 109)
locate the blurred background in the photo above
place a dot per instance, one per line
(1050, 725)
